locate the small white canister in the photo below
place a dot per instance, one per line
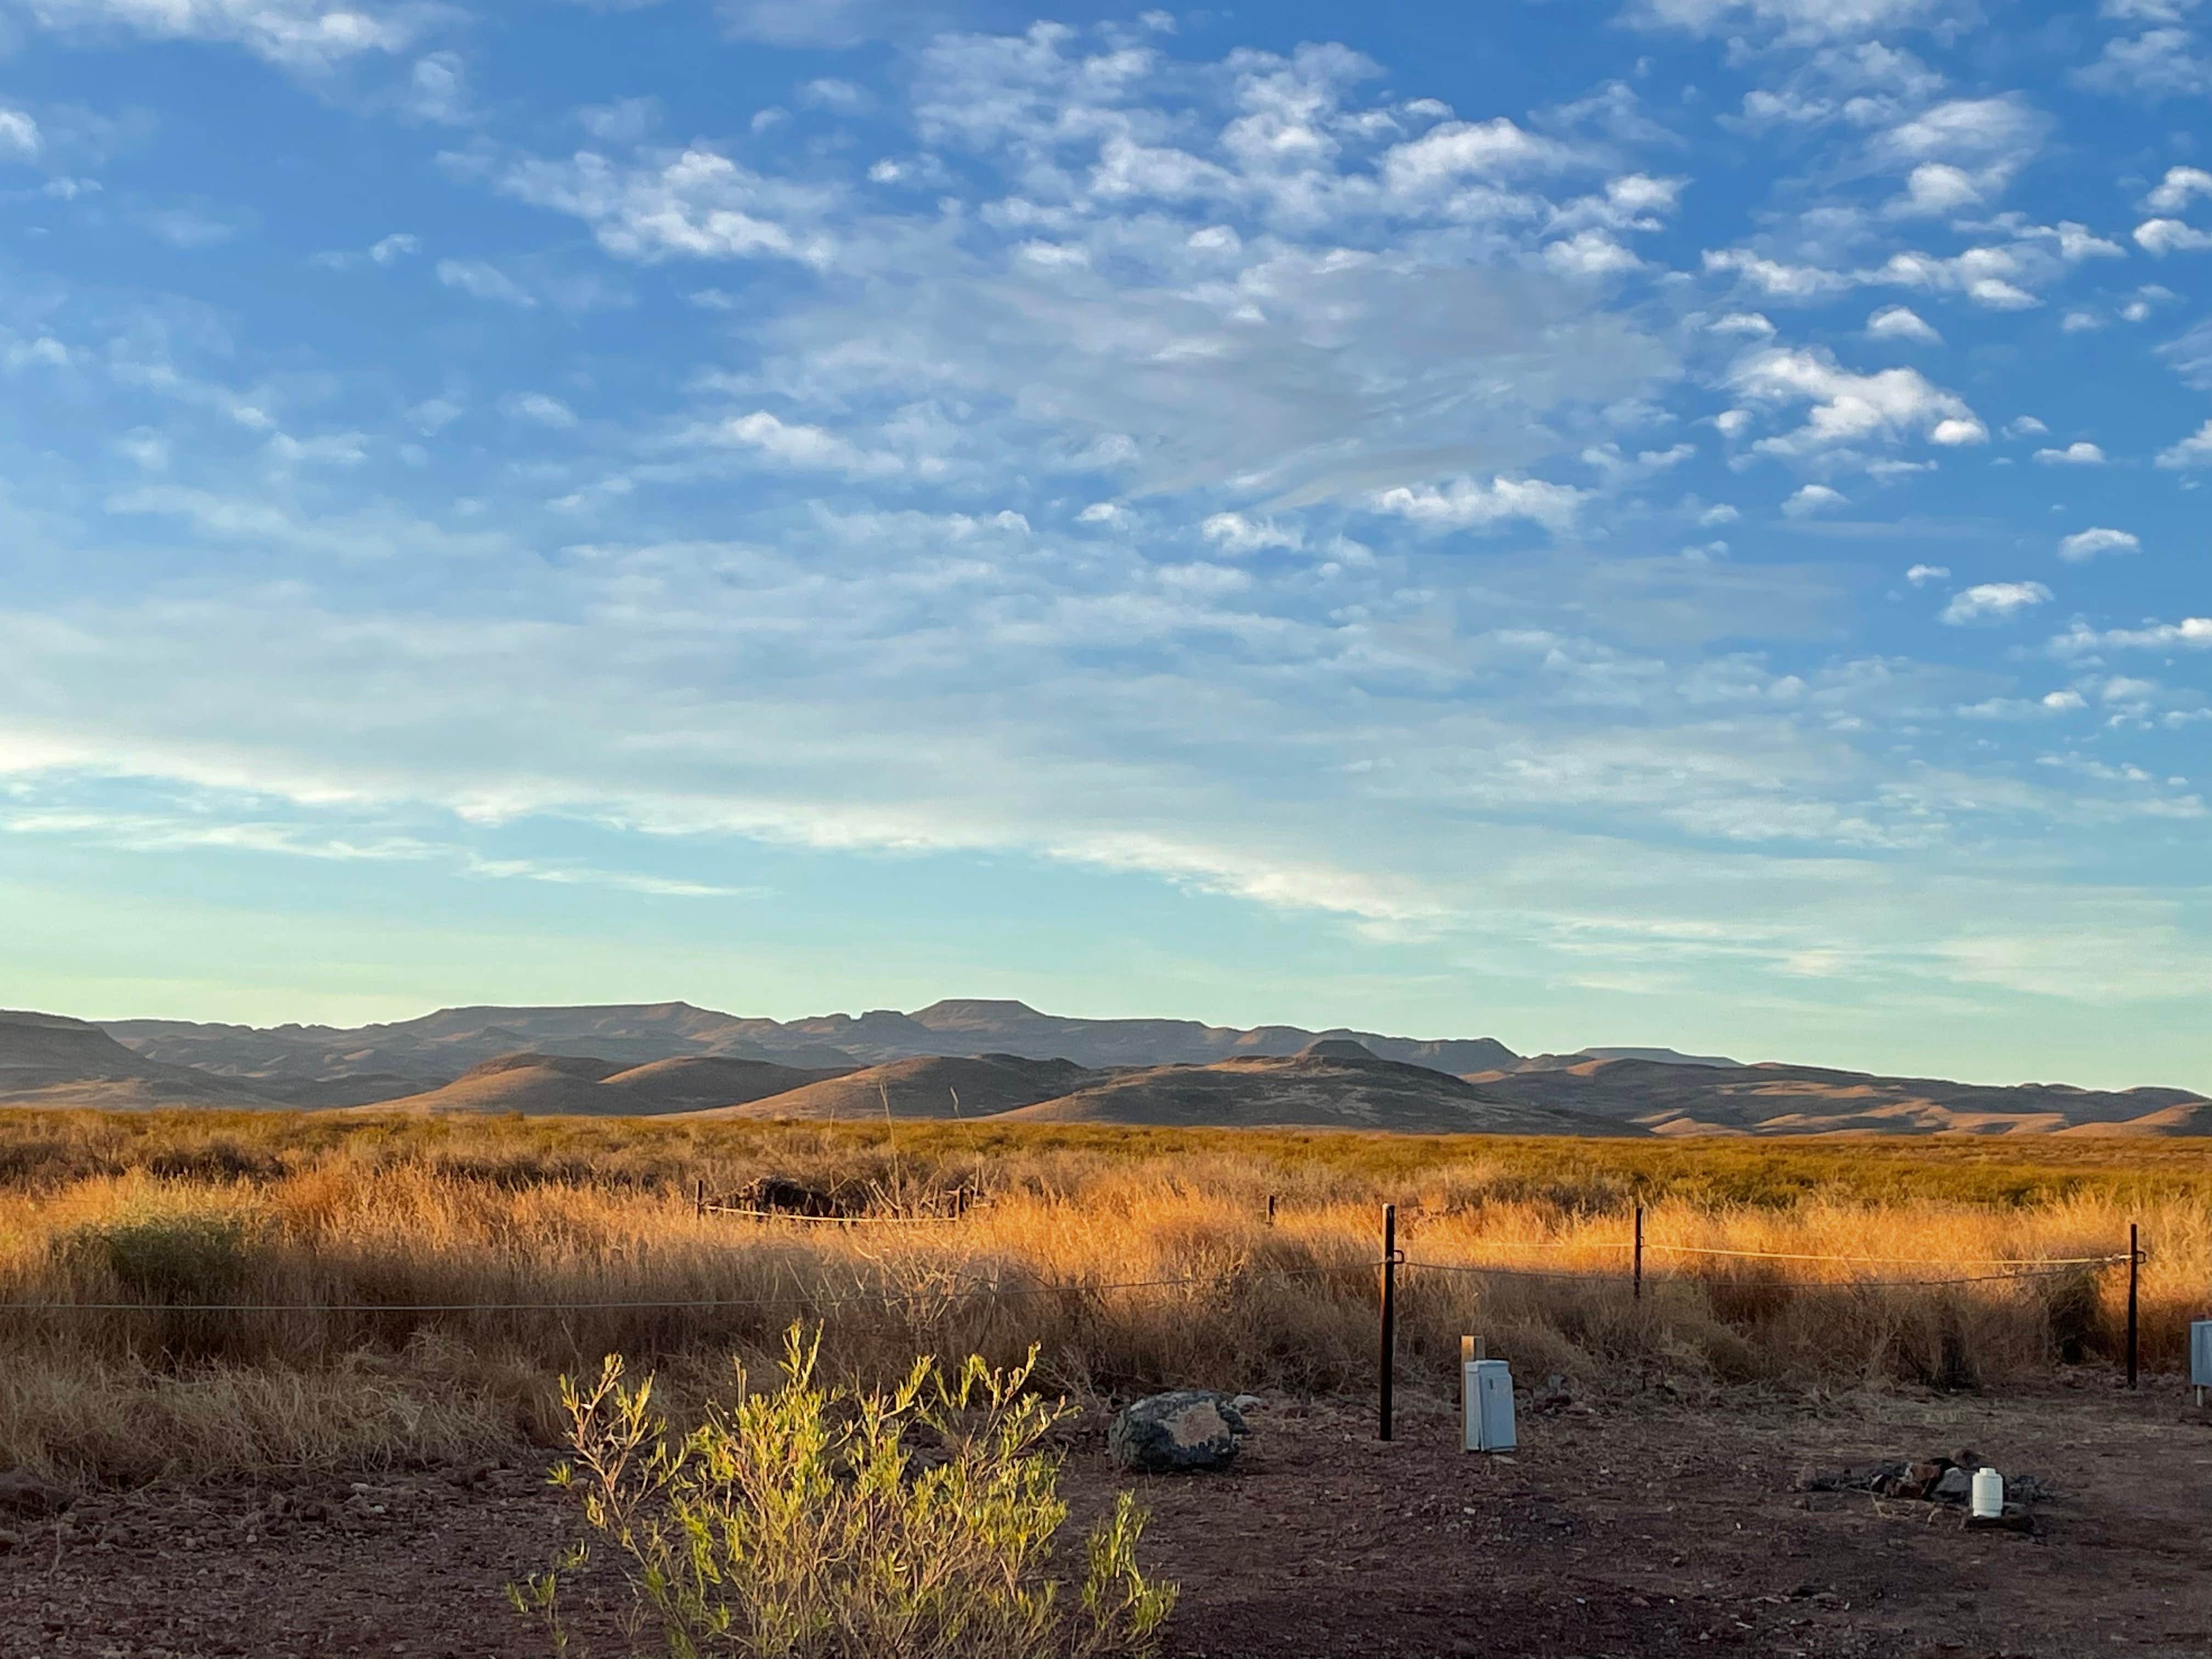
(1987, 1503)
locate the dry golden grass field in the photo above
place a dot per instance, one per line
(406, 1293)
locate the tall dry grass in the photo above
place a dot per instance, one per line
(119, 1219)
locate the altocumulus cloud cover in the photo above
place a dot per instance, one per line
(1674, 525)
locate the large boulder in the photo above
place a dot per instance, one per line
(1192, 1429)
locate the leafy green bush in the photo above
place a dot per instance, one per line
(814, 1522)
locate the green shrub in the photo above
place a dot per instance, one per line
(176, 1257)
(814, 1522)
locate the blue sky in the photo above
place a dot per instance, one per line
(1677, 523)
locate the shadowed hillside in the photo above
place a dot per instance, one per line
(1335, 1083)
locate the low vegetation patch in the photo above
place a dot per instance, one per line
(806, 1522)
(416, 1289)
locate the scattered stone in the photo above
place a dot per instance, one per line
(1933, 1481)
(1190, 1430)
(1245, 1402)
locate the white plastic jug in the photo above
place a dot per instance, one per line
(1988, 1501)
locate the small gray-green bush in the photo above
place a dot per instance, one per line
(807, 1521)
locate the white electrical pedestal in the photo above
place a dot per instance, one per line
(2200, 1357)
(1486, 1401)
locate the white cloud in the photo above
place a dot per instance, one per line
(802, 448)
(483, 280)
(1448, 155)
(2086, 544)
(2159, 63)
(2077, 454)
(2192, 632)
(1590, 253)
(1774, 278)
(2064, 702)
(1750, 323)
(1621, 468)
(540, 407)
(2165, 236)
(1998, 130)
(1795, 22)
(1236, 532)
(438, 89)
(1921, 574)
(19, 134)
(2178, 187)
(2025, 426)
(304, 36)
(43, 350)
(1935, 188)
(694, 204)
(1901, 323)
(1465, 503)
(1994, 602)
(1811, 499)
(1984, 274)
(394, 247)
(1848, 409)
(2194, 451)
(829, 93)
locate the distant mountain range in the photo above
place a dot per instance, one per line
(1003, 1059)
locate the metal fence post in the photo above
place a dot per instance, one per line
(1640, 1253)
(1390, 1311)
(2135, 1330)
(1271, 1209)
(699, 1198)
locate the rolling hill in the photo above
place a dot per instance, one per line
(985, 1084)
(1333, 1085)
(1005, 1057)
(46, 1059)
(568, 1085)
(438, 1048)
(1670, 1098)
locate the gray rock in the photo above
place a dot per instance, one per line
(1192, 1429)
(1245, 1402)
(1955, 1483)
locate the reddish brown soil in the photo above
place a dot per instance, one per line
(1631, 1529)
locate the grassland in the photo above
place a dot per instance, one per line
(114, 1228)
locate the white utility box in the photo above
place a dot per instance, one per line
(1486, 1401)
(2200, 1357)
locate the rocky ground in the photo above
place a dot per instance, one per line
(1631, 1529)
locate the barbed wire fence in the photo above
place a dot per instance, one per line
(1387, 1267)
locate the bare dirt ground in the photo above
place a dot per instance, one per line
(1620, 1528)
